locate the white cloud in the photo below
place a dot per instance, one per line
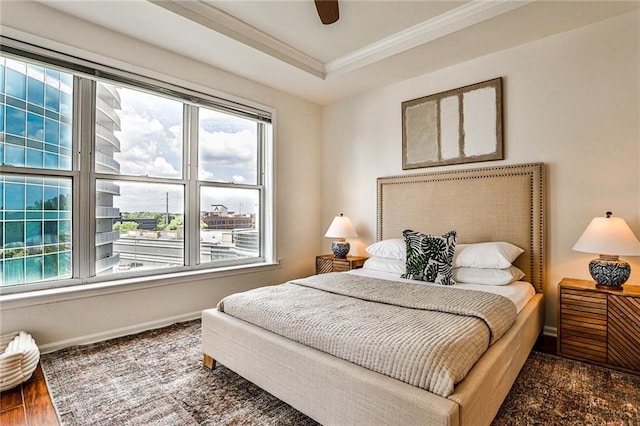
(157, 167)
(227, 148)
(151, 135)
(151, 144)
(225, 155)
(139, 197)
(206, 175)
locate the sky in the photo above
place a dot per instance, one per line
(151, 144)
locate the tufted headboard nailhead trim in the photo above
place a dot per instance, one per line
(504, 203)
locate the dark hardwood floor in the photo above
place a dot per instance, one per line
(30, 404)
(546, 344)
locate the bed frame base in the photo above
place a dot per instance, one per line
(208, 362)
(333, 391)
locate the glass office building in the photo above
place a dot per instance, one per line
(107, 146)
(36, 122)
(35, 131)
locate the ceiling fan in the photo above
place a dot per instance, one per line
(327, 11)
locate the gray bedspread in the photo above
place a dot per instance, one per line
(427, 336)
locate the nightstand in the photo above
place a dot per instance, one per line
(600, 326)
(331, 263)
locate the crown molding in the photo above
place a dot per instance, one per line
(450, 22)
(457, 19)
(217, 20)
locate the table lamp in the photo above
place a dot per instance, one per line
(340, 229)
(609, 237)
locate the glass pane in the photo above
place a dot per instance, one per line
(34, 233)
(35, 126)
(228, 148)
(16, 121)
(13, 270)
(27, 124)
(65, 135)
(139, 226)
(52, 98)
(17, 80)
(137, 133)
(36, 91)
(32, 241)
(14, 194)
(34, 268)
(52, 131)
(34, 158)
(229, 224)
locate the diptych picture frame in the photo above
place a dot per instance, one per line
(458, 126)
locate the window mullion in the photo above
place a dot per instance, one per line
(266, 159)
(192, 198)
(84, 224)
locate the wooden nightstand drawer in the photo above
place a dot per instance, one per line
(624, 338)
(341, 265)
(584, 324)
(600, 325)
(330, 263)
(323, 265)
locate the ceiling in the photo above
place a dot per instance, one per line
(284, 45)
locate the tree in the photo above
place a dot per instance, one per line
(125, 226)
(176, 223)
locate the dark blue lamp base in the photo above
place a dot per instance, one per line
(609, 272)
(340, 248)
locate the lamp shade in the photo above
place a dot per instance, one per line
(341, 227)
(608, 235)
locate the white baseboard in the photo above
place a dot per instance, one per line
(117, 332)
(550, 331)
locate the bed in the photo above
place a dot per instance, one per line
(504, 203)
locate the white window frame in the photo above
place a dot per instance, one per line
(84, 176)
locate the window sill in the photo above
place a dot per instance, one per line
(81, 291)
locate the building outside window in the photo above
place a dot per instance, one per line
(35, 131)
(176, 182)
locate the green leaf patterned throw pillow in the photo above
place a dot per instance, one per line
(429, 257)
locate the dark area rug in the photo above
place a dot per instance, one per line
(557, 391)
(157, 378)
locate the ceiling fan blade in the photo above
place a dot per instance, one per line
(328, 11)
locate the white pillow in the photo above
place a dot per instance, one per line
(394, 248)
(487, 276)
(495, 255)
(385, 264)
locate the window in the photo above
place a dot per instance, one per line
(227, 176)
(143, 178)
(141, 228)
(139, 221)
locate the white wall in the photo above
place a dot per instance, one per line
(298, 179)
(570, 101)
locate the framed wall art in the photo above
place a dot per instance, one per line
(457, 126)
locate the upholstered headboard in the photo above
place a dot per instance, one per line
(504, 203)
